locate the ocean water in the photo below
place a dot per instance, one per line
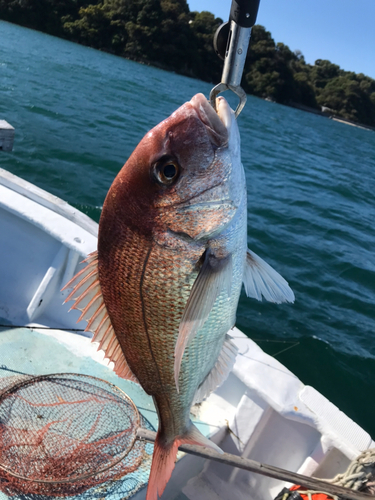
(79, 113)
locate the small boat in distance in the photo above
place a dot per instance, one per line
(262, 411)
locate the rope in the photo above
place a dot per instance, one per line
(359, 476)
(360, 473)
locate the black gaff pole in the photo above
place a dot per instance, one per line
(231, 42)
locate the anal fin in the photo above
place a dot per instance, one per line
(219, 372)
(89, 299)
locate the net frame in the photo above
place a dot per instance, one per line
(112, 389)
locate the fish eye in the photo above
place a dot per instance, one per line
(166, 171)
(169, 171)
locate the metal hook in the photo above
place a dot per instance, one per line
(222, 87)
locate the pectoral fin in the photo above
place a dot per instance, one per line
(261, 279)
(214, 276)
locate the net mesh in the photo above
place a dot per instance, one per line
(62, 434)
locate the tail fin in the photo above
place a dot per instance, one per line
(164, 458)
(163, 461)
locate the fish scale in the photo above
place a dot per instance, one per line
(175, 291)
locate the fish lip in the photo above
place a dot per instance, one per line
(216, 127)
(224, 112)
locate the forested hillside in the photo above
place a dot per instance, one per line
(165, 33)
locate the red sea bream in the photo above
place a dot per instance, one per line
(161, 292)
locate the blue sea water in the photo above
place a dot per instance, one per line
(79, 113)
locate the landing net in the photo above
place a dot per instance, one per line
(63, 434)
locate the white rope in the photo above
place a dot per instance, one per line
(360, 475)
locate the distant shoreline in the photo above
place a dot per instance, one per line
(348, 122)
(165, 34)
(329, 115)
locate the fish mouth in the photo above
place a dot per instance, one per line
(217, 124)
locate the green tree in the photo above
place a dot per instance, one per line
(92, 28)
(143, 42)
(206, 64)
(176, 38)
(303, 90)
(260, 78)
(42, 15)
(322, 72)
(349, 95)
(273, 70)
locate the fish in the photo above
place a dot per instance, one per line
(160, 294)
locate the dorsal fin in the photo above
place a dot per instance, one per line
(88, 298)
(219, 372)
